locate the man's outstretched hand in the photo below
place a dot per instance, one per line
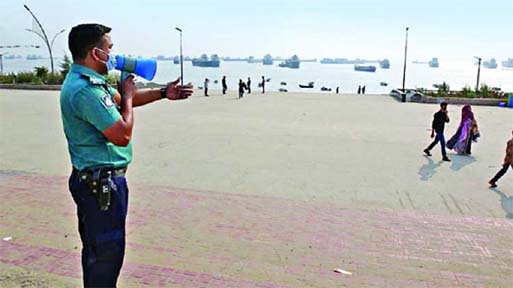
(178, 92)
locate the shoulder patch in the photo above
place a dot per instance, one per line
(92, 80)
(107, 100)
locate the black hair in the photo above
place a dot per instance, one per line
(84, 37)
(443, 104)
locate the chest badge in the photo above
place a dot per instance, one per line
(107, 100)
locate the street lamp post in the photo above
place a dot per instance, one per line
(2, 63)
(478, 72)
(181, 55)
(43, 36)
(404, 68)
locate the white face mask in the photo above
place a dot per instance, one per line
(110, 64)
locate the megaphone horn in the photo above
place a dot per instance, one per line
(144, 67)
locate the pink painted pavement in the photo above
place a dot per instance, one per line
(193, 238)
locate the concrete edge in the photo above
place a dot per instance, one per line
(30, 87)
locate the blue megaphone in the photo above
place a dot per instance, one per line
(144, 67)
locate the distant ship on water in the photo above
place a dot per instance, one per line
(204, 61)
(268, 59)
(508, 63)
(490, 64)
(364, 68)
(341, 61)
(434, 63)
(384, 64)
(293, 63)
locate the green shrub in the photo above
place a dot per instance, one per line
(8, 78)
(41, 72)
(467, 92)
(113, 78)
(485, 91)
(54, 79)
(28, 78)
(65, 65)
(444, 89)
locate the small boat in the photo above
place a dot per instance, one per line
(363, 68)
(384, 84)
(283, 83)
(325, 89)
(283, 90)
(176, 60)
(310, 85)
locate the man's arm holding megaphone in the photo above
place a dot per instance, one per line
(172, 91)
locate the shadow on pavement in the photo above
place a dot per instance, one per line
(460, 161)
(506, 203)
(427, 170)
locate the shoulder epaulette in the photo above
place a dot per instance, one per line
(93, 80)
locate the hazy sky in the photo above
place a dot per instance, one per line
(449, 29)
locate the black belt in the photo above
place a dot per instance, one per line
(100, 182)
(87, 174)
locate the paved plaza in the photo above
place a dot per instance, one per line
(273, 190)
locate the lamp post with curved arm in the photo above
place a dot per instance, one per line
(404, 68)
(43, 36)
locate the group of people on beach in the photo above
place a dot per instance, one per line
(461, 141)
(243, 86)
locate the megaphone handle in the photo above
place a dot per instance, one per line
(124, 75)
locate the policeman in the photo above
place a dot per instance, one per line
(98, 122)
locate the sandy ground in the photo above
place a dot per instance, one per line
(271, 190)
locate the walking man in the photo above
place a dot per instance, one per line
(363, 90)
(263, 85)
(205, 86)
(242, 87)
(225, 87)
(359, 89)
(98, 121)
(249, 85)
(439, 119)
(508, 162)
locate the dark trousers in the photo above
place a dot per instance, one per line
(501, 172)
(439, 138)
(249, 89)
(102, 232)
(224, 90)
(206, 91)
(241, 93)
